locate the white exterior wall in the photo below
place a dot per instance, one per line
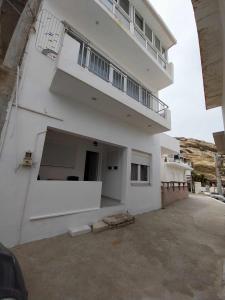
(172, 173)
(27, 130)
(32, 209)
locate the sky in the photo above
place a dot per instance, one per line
(186, 96)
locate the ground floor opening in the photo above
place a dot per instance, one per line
(75, 158)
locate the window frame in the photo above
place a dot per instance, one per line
(160, 44)
(150, 40)
(136, 12)
(118, 3)
(139, 181)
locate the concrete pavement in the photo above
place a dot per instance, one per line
(172, 254)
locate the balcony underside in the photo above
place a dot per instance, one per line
(102, 28)
(219, 138)
(209, 16)
(135, 114)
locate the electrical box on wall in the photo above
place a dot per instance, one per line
(27, 160)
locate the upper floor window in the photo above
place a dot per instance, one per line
(164, 53)
(139, 21)
(148, 32)
(125, 5)
(157, 43)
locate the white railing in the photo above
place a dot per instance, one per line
(105, 69)
(125, 19)
(180, 160)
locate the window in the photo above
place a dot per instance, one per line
(139, 20)
(148, 32)
(164, 53)
(134, 172)
(144, 173)
(125, 5)
(157, 43)
(140, 167)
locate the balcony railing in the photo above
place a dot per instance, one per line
(106, 70)
(125, 19)
(176, 159)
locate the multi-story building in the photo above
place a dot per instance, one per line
(82, 138)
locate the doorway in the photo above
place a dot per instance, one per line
(91, 166)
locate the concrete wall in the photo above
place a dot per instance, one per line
(112, 178)
(48, 199)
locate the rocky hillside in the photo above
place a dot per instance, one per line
(201, 154)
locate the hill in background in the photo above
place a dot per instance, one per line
(201, 154)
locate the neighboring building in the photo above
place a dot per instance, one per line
(210, 19)
(175, 171)
(83, 137)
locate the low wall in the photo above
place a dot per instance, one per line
(51, 198)
(172, 192)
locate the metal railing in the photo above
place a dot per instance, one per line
(99, 65)
(105, 69)
(125, 19)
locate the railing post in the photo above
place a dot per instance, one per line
(140, 93)
(125, 84)
(111, 73)
(114, 8)
(88, 57)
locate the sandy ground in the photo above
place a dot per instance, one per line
(172, 254)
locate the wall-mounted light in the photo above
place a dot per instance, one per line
(95, 144)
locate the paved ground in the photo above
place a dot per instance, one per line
(172, 254)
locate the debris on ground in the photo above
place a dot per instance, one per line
(99, 226)
(119, 220)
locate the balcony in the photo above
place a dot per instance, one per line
(117, 35)
(146, 42)
(83, 73)
(177, 161)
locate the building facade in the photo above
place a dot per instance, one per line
(176, 178)
(82, 138)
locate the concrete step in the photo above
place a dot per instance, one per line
(79, 230)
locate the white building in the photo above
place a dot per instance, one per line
(82, 137)
(174, 167)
